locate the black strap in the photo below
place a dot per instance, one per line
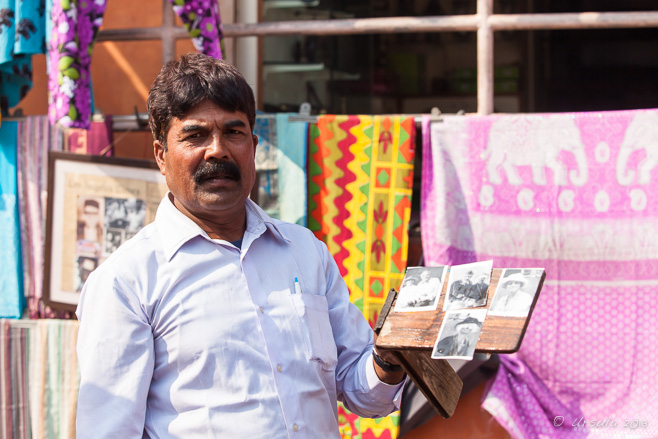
(385, 365)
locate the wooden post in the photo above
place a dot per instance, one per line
(485, 57)
(167, 35)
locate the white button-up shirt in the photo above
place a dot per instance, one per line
(183, 336)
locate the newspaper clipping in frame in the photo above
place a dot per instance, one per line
(101, 214)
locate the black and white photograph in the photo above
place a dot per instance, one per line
(459, 334)
(128, 214)
(85, 265)
(421, 289)
(113, 239)
(468, 285)
(515, 292)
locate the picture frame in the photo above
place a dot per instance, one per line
(95, 204)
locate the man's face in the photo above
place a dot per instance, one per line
(90, 214)
(209, 162)
(513, 286)
(468, 328)
(425, 275)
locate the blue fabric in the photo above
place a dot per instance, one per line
(22, 34)
(12, 299)
(292, 143)
(266, 164)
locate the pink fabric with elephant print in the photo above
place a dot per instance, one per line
(576, 194)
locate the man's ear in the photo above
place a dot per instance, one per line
(159, 153)
(254, 138)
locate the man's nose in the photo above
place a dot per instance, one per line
(215, 148)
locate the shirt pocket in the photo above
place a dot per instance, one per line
(313, 313)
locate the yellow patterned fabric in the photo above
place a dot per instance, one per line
(360, 185)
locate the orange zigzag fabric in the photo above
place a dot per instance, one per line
(360, 185)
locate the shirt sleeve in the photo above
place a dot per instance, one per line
(116, 357)
(357, 384)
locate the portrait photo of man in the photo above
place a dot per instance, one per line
(90, 220)
(459, 334)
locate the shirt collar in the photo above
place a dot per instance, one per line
(176, 229)
(258, 221)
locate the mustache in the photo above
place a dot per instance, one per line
(217, 169)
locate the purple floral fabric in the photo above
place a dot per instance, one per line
(202, 20)
(75, 24)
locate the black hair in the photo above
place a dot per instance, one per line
(193, 78)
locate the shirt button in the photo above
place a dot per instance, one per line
(279, 368)
(261, 309)
(295, 427)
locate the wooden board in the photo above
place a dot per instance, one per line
(418, 330)
(411, 336)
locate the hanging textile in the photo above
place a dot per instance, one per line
(360, 185)
(54, 378)
(292, 144)
(12, 299)
(39, 379)
(281, 166)
(266, 164)
(14, 382)
(97, 140)
(578, 195)
(35, 138)
(75, 25)
(22, 33)
(202, 20)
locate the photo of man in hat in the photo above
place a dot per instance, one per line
(514, 294)
(459, 334)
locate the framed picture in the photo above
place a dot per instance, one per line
(95, 204)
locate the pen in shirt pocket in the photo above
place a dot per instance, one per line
(298, 288)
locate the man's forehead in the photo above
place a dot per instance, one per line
(226, 119)
(209, 109)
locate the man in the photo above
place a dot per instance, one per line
(216, 320)
(90, 226)
(426, 289)
(476, 295)
(458, 290)
(511, 300)
(462, 343)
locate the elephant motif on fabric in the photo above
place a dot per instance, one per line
(642, 133)
(535, 141)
